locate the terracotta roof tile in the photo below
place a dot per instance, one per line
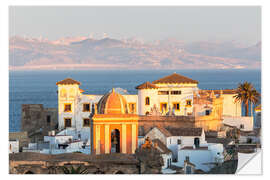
(174, 78)
(68, 81)
(147, 85)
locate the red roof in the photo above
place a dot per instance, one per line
(147, 85)
(68, 81)
(174, 79)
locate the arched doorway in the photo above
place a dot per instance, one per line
(119, 172)
(29, 172)
(115, 141)
(197, 142)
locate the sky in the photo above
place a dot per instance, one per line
(186, 23)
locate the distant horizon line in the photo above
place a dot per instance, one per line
(40, 38)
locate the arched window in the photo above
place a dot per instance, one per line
(147, 101)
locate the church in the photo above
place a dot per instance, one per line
(113, 122)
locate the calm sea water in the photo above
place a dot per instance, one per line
(38, 87)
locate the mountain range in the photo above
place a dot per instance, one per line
(109, 53)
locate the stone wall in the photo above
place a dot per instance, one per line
(37, 120)
(21, 136)
(35, 163)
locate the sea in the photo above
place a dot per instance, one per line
(39, 87)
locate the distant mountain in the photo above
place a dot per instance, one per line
(89, 53)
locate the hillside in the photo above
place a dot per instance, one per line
(108, 53)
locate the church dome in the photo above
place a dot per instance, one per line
(112, 103)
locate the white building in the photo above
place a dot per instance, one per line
(177, 138)
(203, 157)
(172, 95)
(244, 123)
(189, 142)
(173, 92)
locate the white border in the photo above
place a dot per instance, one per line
(4, 70)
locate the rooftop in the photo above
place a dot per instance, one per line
(179, 131)
(185, 131)
(146, 85)
(160, 146)
(174, 79)
(68, 81)
(191, 148)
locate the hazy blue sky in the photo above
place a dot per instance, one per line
(241, 23)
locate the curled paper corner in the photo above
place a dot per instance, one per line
(250, 163)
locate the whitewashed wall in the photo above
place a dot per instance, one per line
(196, 157)
(230, 108)
(236, 121)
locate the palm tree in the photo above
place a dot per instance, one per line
(74, 170)
(246, 94)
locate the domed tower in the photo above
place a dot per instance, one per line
(112, 103)
(114, 130)
(147, 97)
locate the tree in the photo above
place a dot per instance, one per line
(73, 170)
(246, 94)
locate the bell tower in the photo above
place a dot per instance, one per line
(68, 91)
(114, 130)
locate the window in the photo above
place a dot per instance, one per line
(170, 141)
(67, 122)
(175, 92)
(207, 112)
(132, 108)
(147, 113)
(178, 141)
(147, 101)
(163, 106)
(86, 122)
(188, 102)
(242, 126)
(176, 106)
(188, 170)
(163, 92)
(86, 107)
(48, 119)
(67, 108)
